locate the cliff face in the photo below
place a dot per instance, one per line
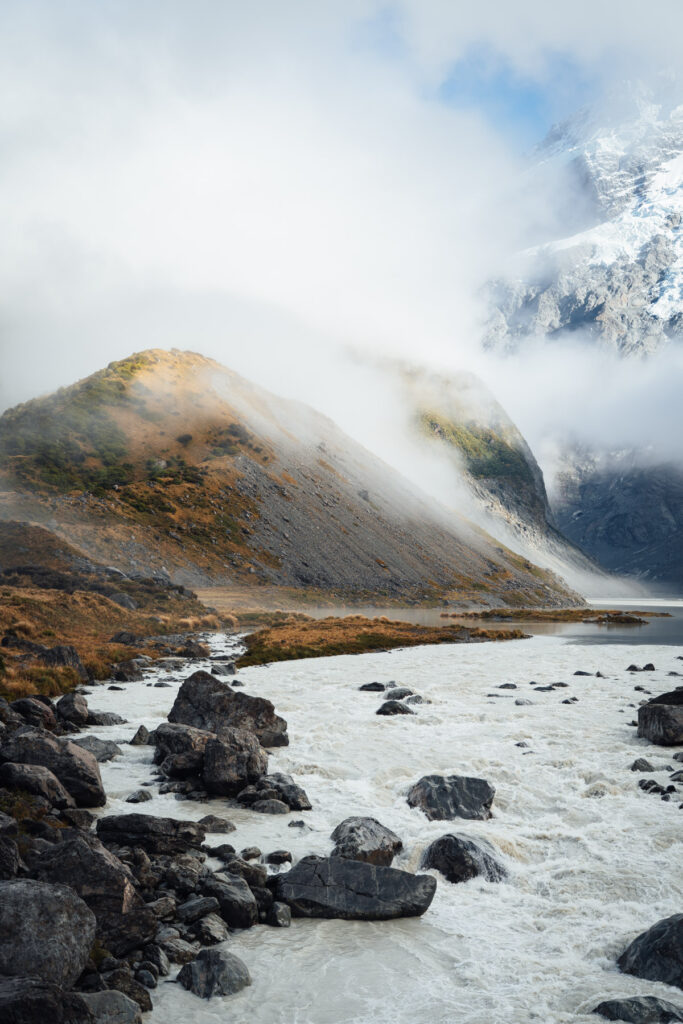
(170, 463)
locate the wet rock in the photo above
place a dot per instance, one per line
(523, 702)
(394, 707)
(45, 930)
(141, 737)
(102, 750)
(36, 1000)
(367, 840)
(459, 858)
(661, 724)
(38, 780)
(105, 718)
(106, 886)
(333, 887)
(10, 861)
(657, 954)
(214, 972)
(674, 698)
(146, 978)
(253, 874)
(640, 1010)
(111, 1007)
(35, 712)
(508, 686)
(180, 749)
(641, 765)
(211, 929)
(372, 687)
(232, 761)
(74, 708)
(399, 693)
(75, 768)
(127, 672)
(276, 786)
(454, 796)
(235, 899)
(213, 823)
(140, 796)
(152, 834)
(270, 807)
(122, 981)
(223, 852)
(417, 699)
(155, 954)
(197, 907)
(279, 915)
(250, 853)
(279, 857)
(207, 703)
(178, 950)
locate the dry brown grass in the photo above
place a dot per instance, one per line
(301, 637)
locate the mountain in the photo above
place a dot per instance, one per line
(169, 464)
(619, 279)
(616, 279)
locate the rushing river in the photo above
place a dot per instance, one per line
(592, 859)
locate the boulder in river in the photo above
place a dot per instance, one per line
(112, 1007)
(205, 702)
(453, 796)
(661, 723)
(36, 1000)
(394, 707)
(232, 761)
(102, 750)
(73, 707)
(640, 1010)
(215, 972)
(46, 931)
(37, 780)
(237, 905)
(152, 834)
(459, 858)
(180, 749)
(75, 768)
(657, 954)
(34, 712)
(276, 786)
(365, 839)
(333, 887)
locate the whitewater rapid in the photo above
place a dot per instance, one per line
(592, 859)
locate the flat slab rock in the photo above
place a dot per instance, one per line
(657, 954)
(365, 839)
(640, 1010)
(452, 796)
(332, 887)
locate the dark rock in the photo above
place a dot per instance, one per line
(75, 768)
(111, 1007)
(236, 901)
(74, 708)
(211, 930)
(179, 951)
(79, 818)
(333, 887)
(141, 737)
(10, 861)
(459, 859)
(508, 686)
(232, 761)
(122, 981)
(250, 853)
(146, 978)
(63, 655)
(182, 873)
(279, 915)
(127, 672)
(35, 712)
(417, 699)
(657, 954)
(399, 693)
(661, 724)
(38, 780)
(276, 786)
(163, 908)
(207, 703)
(152, 834)
(367, 840)
(36, 1000)
(270, 807)
(372, 687)
(640, 1010)
(394, 707)
(674, 698)
(155, 954)
(224, 852)
(105, 718)
(641, 765)
(140, 796)
(454, 796)
(214, 972)
(279, 857)
(45, 930)
(253, 874)
(212, 823)
(197, 907)
(106, 886)
(102, 750)
(180, 749)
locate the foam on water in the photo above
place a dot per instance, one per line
(592, 860)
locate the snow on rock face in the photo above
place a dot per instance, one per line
(621, 278)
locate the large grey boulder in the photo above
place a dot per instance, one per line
(662, 723)
(35, 712)
(152, 834)
(657, 954)
(365, 839)
(37, 1001)
(73, 707)
(46, 931)
(232, 761)
(459, 858)
(112, 1007)
(336, 888)
(640, 1010)
(106, 885)
(276, 786)
(180, 749)
(37, 780)
(453, 796)
(214, 973)
(205, 702)
(102, 750)
(236, 901)
(75, 768)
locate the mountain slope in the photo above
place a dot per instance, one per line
(169, 463)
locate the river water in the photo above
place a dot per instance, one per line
(592, 860)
